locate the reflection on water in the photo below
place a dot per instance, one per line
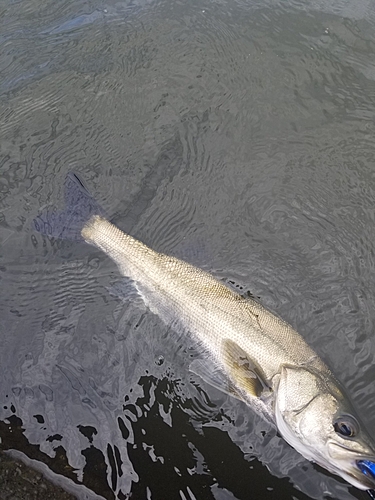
(237, 135)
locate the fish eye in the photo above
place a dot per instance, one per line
(346, 426)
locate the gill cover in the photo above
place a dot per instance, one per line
(301, 397)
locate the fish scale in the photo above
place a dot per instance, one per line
(200, 303)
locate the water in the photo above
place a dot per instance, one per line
(237, 135)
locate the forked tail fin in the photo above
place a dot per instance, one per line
(80, 206)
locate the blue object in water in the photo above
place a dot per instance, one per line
(367, 467)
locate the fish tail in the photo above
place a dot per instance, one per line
(79, 208)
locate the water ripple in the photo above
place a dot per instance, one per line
(240, 133)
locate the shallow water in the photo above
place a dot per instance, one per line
(237, 135)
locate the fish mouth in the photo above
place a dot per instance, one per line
(367, 467)
(359, 468)
(362, 473)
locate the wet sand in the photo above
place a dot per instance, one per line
(20, 482)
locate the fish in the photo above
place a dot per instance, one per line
(260, 358)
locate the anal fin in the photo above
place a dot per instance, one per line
(126, 290)
(215, 377)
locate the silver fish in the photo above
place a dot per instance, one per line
(267, 363)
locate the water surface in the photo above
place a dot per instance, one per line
(237, 135)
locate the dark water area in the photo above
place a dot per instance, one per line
(236, 135)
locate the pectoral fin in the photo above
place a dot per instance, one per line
(243, 371)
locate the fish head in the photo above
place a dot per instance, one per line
(315, 417)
